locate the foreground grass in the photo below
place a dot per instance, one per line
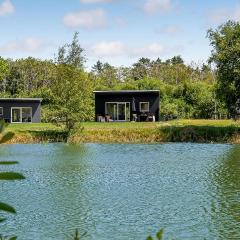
(225, 131)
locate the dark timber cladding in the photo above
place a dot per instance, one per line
(127, 105)
(20, 110)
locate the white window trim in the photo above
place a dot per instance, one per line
(20, 114)
(117, 110)
(140, 109)
(1, 114)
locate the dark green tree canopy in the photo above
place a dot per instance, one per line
(225, 41)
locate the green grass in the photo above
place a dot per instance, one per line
(26, 127)
(120, 125)
(183, 122)
(204, 122)
(175, 131)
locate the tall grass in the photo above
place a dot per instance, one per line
(200, 133)
(220, 131)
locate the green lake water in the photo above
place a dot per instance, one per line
(123, 191)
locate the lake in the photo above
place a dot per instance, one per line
(123, 191)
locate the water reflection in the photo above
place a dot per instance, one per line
(69, 167)
(52, 195)
(123, 191)
(225, 192)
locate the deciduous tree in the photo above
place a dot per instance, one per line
(225, 41)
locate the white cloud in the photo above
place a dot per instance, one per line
(117, 48)
(29, 45)
(152, 49)
(157, 6)
(95, 1)
(171, 29)
(109, 49)
(224, 14)
(6, 7)
(88, 19)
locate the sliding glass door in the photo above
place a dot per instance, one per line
(16, 115)
(121, 111)
(118, 111)
(111, 110)
(21, 115)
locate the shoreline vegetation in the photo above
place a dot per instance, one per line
(196, 131)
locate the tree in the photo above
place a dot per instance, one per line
(141, 68)
(105, 74)
(177, 60)
(225, 41)
(72, 96)
(29, 75)
(4, 71)
(98, 67)
(72, 54)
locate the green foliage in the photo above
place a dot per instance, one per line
(4, 69)
(28, 75)
(202, 134)
(72, 93)
(8, 163)
(159, 235)
(72, 54)
(6, 137)
(50, 135)
(7, 238)
(6, 208)
(225, 41)
(77, 235)
(186, 91)
(10, 175)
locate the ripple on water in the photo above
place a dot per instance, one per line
(124, 191)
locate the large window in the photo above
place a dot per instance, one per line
(21, 115)
(144, 106)
(26, 114)
(118, 111)
(1, 111)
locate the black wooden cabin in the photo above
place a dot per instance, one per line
(20, 110)
(127, 105)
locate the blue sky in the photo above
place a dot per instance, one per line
(116, 31)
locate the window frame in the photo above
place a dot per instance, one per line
(140, 107)
(21, 108)
(127, 119)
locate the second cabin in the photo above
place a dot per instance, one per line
(127, 105)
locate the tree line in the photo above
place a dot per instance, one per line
(186, 90)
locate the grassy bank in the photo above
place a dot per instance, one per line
(219, 131)
(37, 133)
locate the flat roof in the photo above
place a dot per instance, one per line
(21, 99)
(128, 91)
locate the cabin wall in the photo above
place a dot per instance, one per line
(35, 105)
(152, 98)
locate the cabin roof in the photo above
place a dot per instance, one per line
(21, 99)
(126, 91)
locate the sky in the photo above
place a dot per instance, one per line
(115, 31)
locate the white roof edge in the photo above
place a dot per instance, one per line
(21, 99)
(125, 91)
